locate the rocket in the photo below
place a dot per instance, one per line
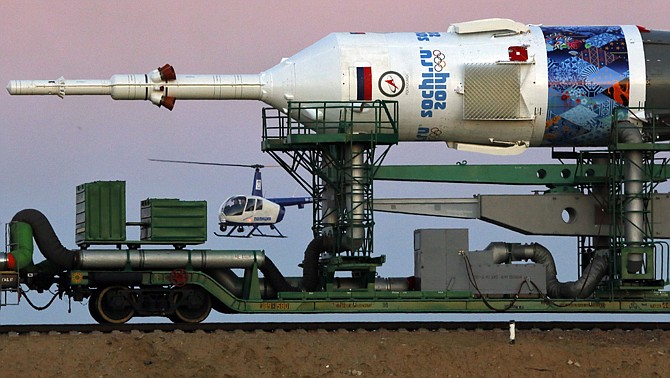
(494, 86)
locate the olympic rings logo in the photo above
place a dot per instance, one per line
(438, 59)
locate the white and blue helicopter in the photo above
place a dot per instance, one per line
(250, 212)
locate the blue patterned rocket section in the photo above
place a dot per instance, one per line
(588, 74)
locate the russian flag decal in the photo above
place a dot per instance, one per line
(364, 83)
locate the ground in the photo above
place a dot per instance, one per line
(338, 354)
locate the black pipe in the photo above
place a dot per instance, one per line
(273, 282)
(228, 279)
(274, 276)
(310, 264)
(46, 239)
(235, 284)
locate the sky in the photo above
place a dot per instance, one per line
(50, 145)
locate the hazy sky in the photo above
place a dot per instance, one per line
(49, 146)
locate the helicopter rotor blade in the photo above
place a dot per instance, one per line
(258, 166)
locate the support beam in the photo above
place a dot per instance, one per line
(549, 175)
(534, 214)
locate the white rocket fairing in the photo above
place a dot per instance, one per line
(493, 85)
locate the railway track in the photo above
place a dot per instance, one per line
(329, 327)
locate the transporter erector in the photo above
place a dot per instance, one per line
(492, 86)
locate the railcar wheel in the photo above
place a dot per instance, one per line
(112, 305)
(92, 307)
(193, 305)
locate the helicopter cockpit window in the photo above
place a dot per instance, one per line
(234, 206)
(259, 204)
(251, 203)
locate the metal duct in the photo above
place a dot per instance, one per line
(167, 259)
(633, 211)
(355, 201)
(235, 284)
(582, 288)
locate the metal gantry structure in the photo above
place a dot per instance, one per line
(589, 199)
(651, 253)
(340, 160)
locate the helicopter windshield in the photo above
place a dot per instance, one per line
(234, 206)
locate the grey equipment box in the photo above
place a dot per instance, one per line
(434, 251)
(440, 265)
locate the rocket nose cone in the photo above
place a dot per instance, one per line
(10, 87)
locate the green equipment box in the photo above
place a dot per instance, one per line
(168, 220)
(101, 212)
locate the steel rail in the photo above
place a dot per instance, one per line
(331, 327)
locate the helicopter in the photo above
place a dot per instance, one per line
(247, 213)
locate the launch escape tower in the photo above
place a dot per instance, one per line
(341, 162)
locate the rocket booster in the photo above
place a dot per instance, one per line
(495, 85)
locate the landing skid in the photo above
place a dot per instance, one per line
(255, 231)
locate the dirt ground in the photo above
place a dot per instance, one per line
(338, 354)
